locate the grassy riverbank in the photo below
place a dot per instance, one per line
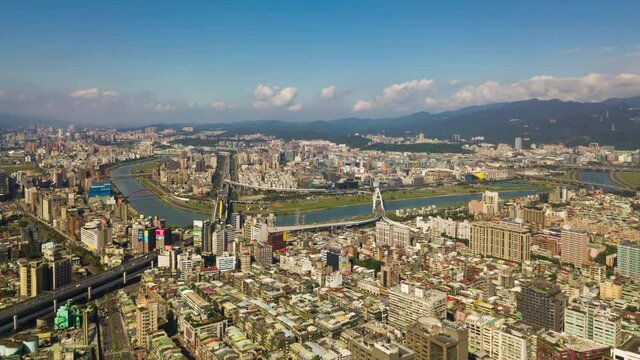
(317, 203)
(630, 179)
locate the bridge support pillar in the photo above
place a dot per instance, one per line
(55, 305)
(15, 322)
(89, 293)
(151, 264)
(124, 277)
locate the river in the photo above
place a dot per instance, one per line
(596, 177)
(150, 204)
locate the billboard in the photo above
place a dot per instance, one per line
(146, 236)
(140, 235)
(197, 233)
(159, 234)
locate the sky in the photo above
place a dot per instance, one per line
(117, 62)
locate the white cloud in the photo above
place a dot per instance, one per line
(160, 107)
(399, 93)
(572, 51)
(363, 105)
(591, 87)
(220, 105)
(295, 107)
(455, 82)
(329, 92)
(92, 94)
(398, 96)
(274, 96)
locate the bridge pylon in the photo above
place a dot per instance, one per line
(378, 203)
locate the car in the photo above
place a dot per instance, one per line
(78, 285)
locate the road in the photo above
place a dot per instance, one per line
(115, 340)
(45, 301)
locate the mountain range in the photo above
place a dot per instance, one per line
(610, 122)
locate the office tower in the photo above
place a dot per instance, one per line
(96, 235)
(408, 302)
(395, 235)
(61, 272)
(431, 339)
(575, 247)
(629, 260)
(146, 318)
(33, 277)
(263, 253)
(542, 304)
(534, 215)
(207, 237)
(592, 321)
(245, 261)
(389, 274)
(491, 202)
(4, 185)
(518, 143)
(219, 239)
(237, 221)
(504, 240)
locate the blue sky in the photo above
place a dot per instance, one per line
(212, 61)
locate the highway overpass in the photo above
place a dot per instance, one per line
(89, 287)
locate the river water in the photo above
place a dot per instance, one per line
(150, 204)
(596, 177)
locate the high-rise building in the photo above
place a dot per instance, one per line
(592, 321)
(542, 304)
(263, 253)
(431, 339)
(518, 143)
(61, 272)
(409, 301)
(32, 277)
(628, 260)
(504, 240)
(491, 202)
(395, 235)
(146, 318)
(389, 274)
(245, 261)
(96, 235)
(207, 237)
(534, 215)
(575, 247)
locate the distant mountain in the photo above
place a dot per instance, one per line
(612, 122)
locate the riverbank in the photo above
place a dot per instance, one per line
(629, 179)
(311, 204)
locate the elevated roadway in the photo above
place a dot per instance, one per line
(86, 288)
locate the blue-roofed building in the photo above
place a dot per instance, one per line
(99, 189)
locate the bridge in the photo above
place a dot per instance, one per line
(25, 311)
(377, 213)
(598, 168)
(576, 182)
